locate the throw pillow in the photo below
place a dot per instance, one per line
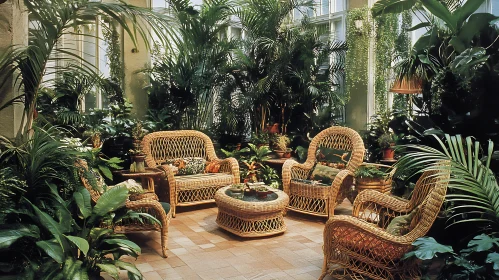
(133, 186)
(401, 225)
(324, 174)
(188, 165)
(333, 157)
(212, 167)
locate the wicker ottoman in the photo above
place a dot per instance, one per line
(251, 217)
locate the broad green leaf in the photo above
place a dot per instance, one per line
(111, 200)
(9, 236)
(473, 26)
(483, 242)
(110, 269)
(53, 249)
(463, 12)
(128, 267)
(469, 58)
(106, 172)
(426, 248)
(84, 202)
(391, 6)
(124, 243)
(439, 10)
(50, 224)
(418, 26)
(96, 233)
(81, 243)
(74, 270)
(493, 258)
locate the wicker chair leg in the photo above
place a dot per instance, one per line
(164, 240)
(324, 269)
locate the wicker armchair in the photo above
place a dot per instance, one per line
(358, 246)
(185, 190)
(149, 204)
(320, 200)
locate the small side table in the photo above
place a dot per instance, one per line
(147, 176)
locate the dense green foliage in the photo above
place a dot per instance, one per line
(458, 59)
(49, 227)
(275, 74)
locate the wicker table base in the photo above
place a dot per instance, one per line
(251, 218)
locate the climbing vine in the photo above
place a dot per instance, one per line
(402, 47)
(358, 47)
(386, 35)
(113, 52)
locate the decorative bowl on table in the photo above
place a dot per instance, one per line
(262, 192)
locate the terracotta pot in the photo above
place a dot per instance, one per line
(274, 128)
(388, 154)
(280, 154)
(138, 158)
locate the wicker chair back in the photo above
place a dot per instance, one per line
(340, 138)
(165, 145)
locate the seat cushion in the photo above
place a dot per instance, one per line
(203, 180)
(324, 174)
(166, 206)
(188, 165)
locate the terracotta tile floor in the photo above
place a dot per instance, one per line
(199, 249)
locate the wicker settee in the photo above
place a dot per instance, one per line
(148, 204)
(162, 146)
(361, 247)
(320, 200)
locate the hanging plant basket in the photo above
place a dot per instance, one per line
(407, 86)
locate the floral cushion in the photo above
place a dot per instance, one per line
(188, 165)
(333, 157)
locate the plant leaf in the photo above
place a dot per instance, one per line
(53, 249)
(129, 267)
(111, 200)
(493, 258)
(84, 202)
(9, 236)
(110, 269)
(482, 242)
(427, 248)
(81, 243)
(391, 6)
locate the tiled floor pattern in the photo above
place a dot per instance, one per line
(199, 249)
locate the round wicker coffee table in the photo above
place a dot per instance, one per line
(249, 216)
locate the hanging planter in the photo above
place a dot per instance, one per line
(411, 85)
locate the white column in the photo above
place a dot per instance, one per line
(13, 31)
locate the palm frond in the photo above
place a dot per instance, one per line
(474, 192)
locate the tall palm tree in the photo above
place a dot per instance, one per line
(52, 19)
(282, 65)
(192, 71)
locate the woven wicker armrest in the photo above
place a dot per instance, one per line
(350, 229)
(376, 200)
(229, 165)
(291, 169)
